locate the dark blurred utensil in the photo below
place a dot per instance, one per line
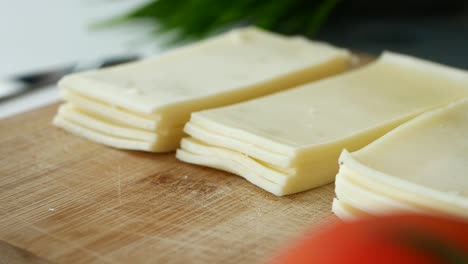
(22, 83)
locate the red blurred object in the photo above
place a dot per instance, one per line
(386, 239)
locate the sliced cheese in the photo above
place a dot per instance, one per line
(93, 128)
(414, 201)
(369, 200)
(100, 137)
(115, 114)
(243, 64)
(306, 128)
(422, 164)
(277, 180)
(390, 91)
(160, 93)
(76, 115)
(346, 211)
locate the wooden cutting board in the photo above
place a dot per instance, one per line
(68, 200)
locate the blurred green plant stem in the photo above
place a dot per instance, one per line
(188, 20)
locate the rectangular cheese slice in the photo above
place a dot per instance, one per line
(88, 126)
(118, 115)
(382, 192)
(369, 199)
(304, 130)
(158, 94)
(421, 164)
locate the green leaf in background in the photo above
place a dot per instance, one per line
(189, 20)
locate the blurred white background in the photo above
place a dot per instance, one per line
(37, 34)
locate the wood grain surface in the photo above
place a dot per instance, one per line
(64, 199)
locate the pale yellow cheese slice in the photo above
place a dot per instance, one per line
(95, 128)
(422, 163)
(306, 128)
(277, 180)
(379, 198)
(115, 114)
(158, 94)
(77, 115)
(233, 67)
(346, 211)
(372, 100)
(413, 201)
(370, 199)
(100, 137)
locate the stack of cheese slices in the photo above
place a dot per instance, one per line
(420, 166)
(290, 141)
(144, 105)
